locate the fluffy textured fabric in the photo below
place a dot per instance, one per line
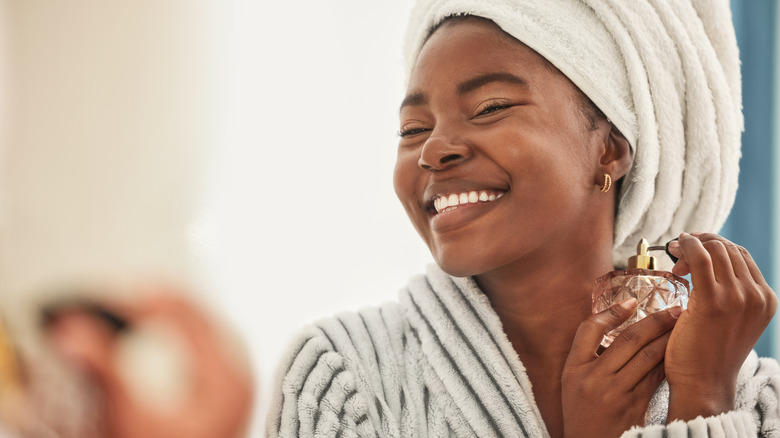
(665, 72)
(438, 364)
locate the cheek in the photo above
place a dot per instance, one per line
(408, 187)
(551, 165)
(402, 177)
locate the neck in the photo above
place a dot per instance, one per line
(542, 298)
(541, 301)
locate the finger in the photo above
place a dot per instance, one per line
(752, 267)
(735, 252)
(650, 383)
(674, 248)
(591, 331)
(645, 360)
(758, 277)
(681, 268)
(722, 269)
(738, 263)
(699, 261)
(759, 297)
(704, 237)
(637, 336)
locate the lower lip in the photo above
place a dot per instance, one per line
(461, 216)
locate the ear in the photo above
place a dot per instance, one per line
(616, 158)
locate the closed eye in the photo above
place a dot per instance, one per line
(493, 107)
(408, 132)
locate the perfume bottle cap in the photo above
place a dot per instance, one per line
(641, 260)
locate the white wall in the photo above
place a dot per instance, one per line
(243, 143)
(301, 218)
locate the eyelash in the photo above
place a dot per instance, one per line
(493, 107)
(412, 131)
(487, 109)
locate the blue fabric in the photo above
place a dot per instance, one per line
(751, 221)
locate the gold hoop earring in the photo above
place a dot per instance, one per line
(607, 183)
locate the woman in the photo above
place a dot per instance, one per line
(518, 116)
(504, 167)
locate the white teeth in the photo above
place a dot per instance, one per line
(453, 200)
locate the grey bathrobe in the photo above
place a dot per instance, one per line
(438, 364)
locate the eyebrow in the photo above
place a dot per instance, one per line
(468, 86)
(482, 80)
(414, 99)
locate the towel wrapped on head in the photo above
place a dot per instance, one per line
(665, 72)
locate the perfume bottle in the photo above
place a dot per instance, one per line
(654, 290)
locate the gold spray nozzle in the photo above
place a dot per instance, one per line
(642, 260)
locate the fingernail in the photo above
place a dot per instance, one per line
(674, 244)
(675, 311)
(628, 304)
(685, 236)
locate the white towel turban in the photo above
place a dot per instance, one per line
(666, 72)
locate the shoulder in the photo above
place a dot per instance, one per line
(340, 372)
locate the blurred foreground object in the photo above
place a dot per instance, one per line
(107, 111)
(11, 388)
(169, 372)
(43, 398)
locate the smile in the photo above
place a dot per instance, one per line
(449, 202)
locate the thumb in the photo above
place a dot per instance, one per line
(591, 331)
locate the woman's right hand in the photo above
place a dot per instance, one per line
(605, 394)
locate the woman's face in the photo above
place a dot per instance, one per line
(490, 127)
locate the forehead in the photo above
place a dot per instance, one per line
(463, 47)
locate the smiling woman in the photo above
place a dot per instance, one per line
(518, 116)
(516, 132)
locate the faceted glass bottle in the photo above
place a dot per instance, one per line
(654, 290)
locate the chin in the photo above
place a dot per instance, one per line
(459, 267)
(456, 272)
(464, 259)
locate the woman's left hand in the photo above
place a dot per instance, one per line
(729, 309)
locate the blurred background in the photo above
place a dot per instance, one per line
(245, 148)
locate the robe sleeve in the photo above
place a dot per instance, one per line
(757, 411)
(317, 394)
(343, 377)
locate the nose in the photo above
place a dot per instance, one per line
(440, 152)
